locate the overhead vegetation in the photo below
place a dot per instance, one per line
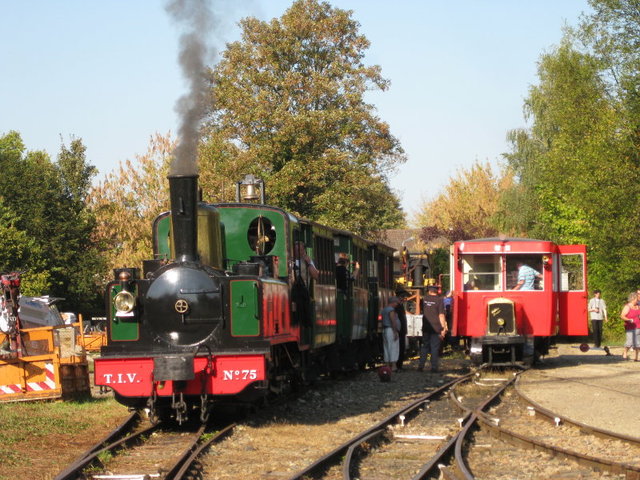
(576, 167)
(44, 221)
(126, 202)
(287, 104)
(578, 163)
(468, 205)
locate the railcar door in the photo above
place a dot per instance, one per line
(572, 289)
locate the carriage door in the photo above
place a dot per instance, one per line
(572, 289)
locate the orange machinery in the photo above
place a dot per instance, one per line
(50, 364)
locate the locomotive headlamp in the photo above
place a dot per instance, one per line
(124, 302)
(500, 322)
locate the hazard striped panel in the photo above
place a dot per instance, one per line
(4, 389)
(48, 383)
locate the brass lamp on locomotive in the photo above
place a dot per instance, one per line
(221, 314)
(507, 324)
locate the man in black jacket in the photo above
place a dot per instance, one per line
(434, 328)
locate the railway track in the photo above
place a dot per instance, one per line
(476, 426)
(504, 435)
(557, 446)
(398, 447)
(136, 452)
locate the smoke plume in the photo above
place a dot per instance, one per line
(196, 20)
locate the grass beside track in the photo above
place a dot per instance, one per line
(40, 438)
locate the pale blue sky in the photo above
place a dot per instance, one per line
(106, 71)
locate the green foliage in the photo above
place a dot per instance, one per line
(439, 262)
(288, 106)
(75, 173)
(15, 244)
(612, 32)
(577, 166)
(45, 229)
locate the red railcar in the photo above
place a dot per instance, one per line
(512, 295)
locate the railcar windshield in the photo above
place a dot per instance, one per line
(524, 272)
(482, 272)
(488, 272)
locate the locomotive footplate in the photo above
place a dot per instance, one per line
(501, 350)
(503, 340)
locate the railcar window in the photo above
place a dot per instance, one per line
(527, 262)
(372, 264)
(571, 273)
(388, 272)
(482, 272)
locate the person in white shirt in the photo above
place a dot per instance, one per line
(598, 313)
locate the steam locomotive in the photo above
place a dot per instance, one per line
(223, 313)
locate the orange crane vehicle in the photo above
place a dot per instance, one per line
(40, 357)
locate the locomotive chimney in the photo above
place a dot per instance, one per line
(184, 201)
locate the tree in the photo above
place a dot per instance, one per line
(43, 213)
(19, 252)
(288, 105)
(584, 146)
(612, 35)
(75, 173)
(78, 258)
(468, 206)
(25, 196)
(578, 165)
(126, 202)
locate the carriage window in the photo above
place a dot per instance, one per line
(324, 260)
(571, 273)
(481, 272)
(261, 235)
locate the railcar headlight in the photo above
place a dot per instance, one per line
(500, 322)
(124, 302)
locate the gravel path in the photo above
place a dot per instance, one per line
(591, 387)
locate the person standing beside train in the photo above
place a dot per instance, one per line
(402, 332)
(598, 312)
(434, 328)
(631, 316)
(390, 328)
(454, 342)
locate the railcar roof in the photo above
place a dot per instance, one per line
(505, 239)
